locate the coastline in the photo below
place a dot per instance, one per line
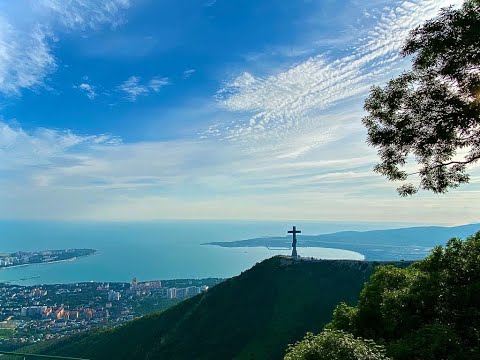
(46, 262)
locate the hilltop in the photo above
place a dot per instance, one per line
(251, 316)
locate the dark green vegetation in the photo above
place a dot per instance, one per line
(380, 245)
(428, 311)
(16, 355)
(251, 316)
(432, 111)
(5, 333)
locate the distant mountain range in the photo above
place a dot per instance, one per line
(252, 316)
(393, 244)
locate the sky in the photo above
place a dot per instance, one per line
(200, 109)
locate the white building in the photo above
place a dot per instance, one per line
(172, 293)
(113, 295)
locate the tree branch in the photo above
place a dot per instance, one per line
(475, 158)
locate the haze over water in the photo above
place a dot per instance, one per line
(153, 250)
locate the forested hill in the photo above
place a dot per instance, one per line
(251, 316)
(412, 243)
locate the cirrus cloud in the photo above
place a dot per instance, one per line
(277, 103)
(28, 29)
(133, 86)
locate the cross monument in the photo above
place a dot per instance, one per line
(294, 233)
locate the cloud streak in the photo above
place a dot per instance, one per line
(49, 173)
(88, 89)
(289, 99)
(26, 56)
(43, 147)
(133, 86)
(187, 73)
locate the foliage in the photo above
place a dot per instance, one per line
(430, 310)
(433, 111)
(6, 333)
(430, 342)
(335, 345)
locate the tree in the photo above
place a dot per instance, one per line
(432, 112)
(335, 345)
(430, 310)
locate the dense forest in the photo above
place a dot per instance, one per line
(427, 311)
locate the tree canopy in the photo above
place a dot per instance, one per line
(432, 112)
(427, 311)
(335, 345)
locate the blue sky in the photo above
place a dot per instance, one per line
(140, 110)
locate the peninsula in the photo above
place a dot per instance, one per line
(21, 258)
(409, 244)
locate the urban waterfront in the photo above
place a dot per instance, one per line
(34, 313)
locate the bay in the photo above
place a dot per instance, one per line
(153, 250)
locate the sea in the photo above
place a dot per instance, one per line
(154, 250)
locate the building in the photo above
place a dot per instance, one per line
(59, 313)
(155, 284)
(33, 311)
(47, 313)
(113, 296)
(37, 292)
(181, 293)
(7, 261)
(74, 315)
(103, 286)
(172, 293)
(192, 291)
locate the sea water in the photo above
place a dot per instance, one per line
(152, 250)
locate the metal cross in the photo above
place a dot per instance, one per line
(294, 233)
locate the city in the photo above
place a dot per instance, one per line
(21, 258)
(29, 314)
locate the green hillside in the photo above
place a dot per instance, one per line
(251, 316)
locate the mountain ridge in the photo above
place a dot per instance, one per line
(251, 316)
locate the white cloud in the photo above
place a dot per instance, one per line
(291, 98)
(43, 147)
(302, 153)
(157, 83)
(133, 86)
(55, 174)
(187, 73)
(88, 89)
(82, 14)
(27, 29)
(210, 3)
(25, 58)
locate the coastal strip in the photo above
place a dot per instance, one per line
(23, 258)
